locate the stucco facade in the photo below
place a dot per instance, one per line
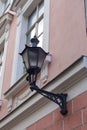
(65, 70)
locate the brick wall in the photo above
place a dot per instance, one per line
(76, 119)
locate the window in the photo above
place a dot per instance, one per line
(35, 24)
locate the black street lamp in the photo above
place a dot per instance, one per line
(33, 59)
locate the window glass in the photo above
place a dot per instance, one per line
(35, 23)
(40, 27)
(32, 19)
(30, 35)
(41, 9)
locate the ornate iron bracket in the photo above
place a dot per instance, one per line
(59, 99)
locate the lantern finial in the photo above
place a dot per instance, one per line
(34, 41)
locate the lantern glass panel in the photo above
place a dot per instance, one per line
(33, 57)
(41, 57)
(25, 58)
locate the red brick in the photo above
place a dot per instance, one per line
(57, 115)
(56, 126)
(80, 102)
(44, 122)
(73, 121)
(85, 115)
(69, 108)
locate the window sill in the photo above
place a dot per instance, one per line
(16, 87)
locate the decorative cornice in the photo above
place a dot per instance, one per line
(7, 16)
(5, 19)
(70, 76)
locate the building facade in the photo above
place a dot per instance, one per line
(61, 27)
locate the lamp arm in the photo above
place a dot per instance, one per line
(59, 99)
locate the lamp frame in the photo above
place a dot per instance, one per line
(59, 98)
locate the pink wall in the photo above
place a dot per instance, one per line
(68, 39)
